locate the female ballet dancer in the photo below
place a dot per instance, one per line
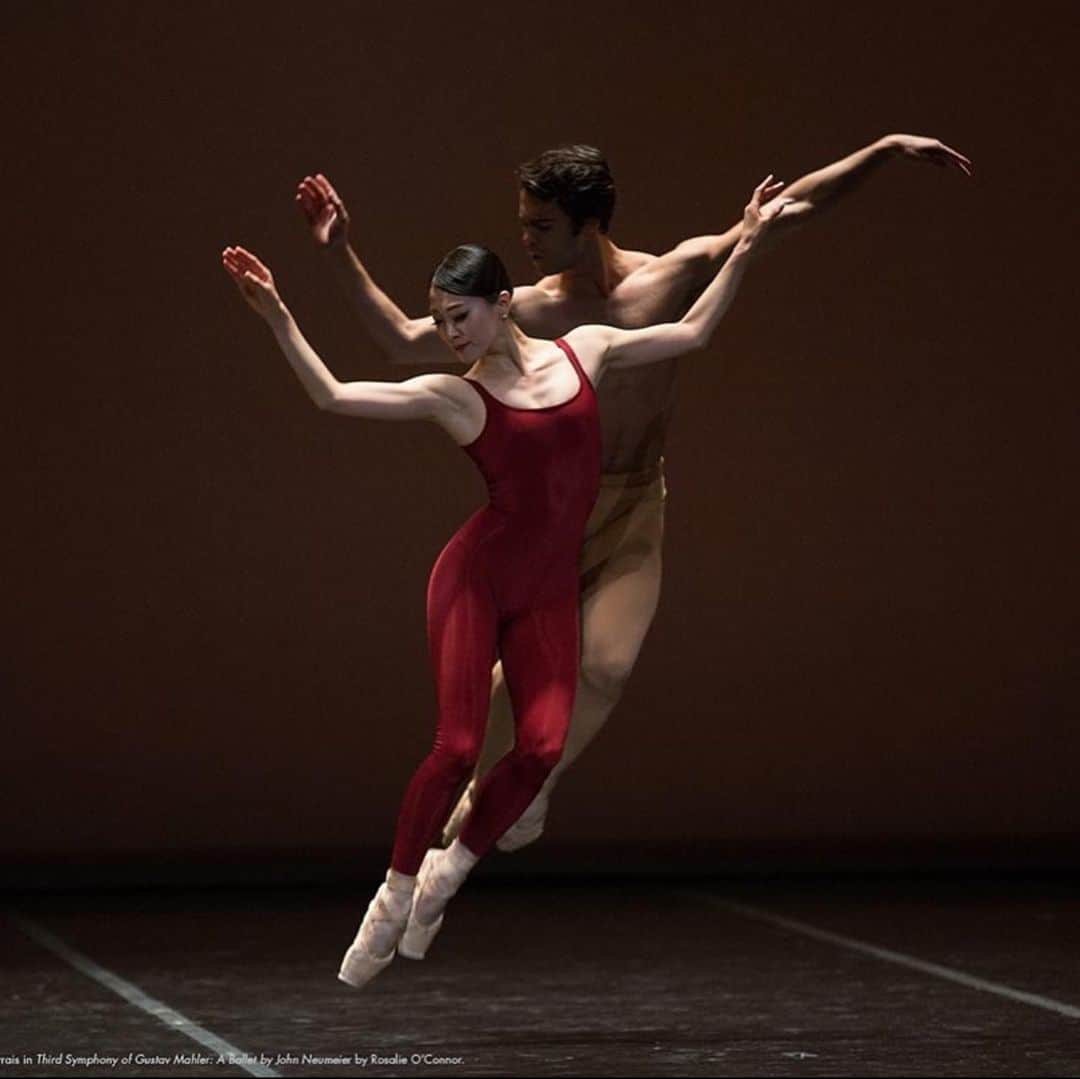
(507, 582)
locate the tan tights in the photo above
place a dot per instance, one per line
(620, 588)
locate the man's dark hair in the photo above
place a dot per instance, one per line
(472, 270)
(577, 178)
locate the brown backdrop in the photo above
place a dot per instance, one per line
(215, 592)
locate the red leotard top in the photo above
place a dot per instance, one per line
(542, 467)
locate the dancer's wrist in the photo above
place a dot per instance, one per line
(746, 244)
(279, 318)
(340, 250)
(886, 146)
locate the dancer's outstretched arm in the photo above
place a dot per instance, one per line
(599, 347)
(400, 338)
(815, 191)
(434, 397)
(403, 340)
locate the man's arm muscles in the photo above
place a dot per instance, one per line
(608, 345)
(808, 193)
(819, 189)
(816, 190)
(823, 187)
(533, 309)
(415, 341)
(404, 340)
(707, 252)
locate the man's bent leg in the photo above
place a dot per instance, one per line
(614, 621)
(620, 588)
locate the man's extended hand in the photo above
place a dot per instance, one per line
(924, 149)
(324, 210)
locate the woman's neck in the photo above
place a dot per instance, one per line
(507, 352)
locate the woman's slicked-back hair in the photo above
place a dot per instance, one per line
(577, 179)
(472, 270)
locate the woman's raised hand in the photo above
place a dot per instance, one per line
(763, 209)
(255, 282)
(324, 210)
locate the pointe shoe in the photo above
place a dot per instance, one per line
(527, 828)
(460, 813)
(419, 935)
(359, 966)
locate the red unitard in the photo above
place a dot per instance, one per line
(507, 584)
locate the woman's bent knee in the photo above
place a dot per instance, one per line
(455, 761)
(541, 757)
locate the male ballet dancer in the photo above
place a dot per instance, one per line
(566, 200)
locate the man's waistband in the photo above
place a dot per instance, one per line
(633, 479)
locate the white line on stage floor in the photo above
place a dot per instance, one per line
(134, 995)
(890, 956)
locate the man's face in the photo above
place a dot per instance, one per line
(547, 234)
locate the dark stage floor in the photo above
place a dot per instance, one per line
(540, 977)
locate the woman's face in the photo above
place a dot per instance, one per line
(468, 324)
